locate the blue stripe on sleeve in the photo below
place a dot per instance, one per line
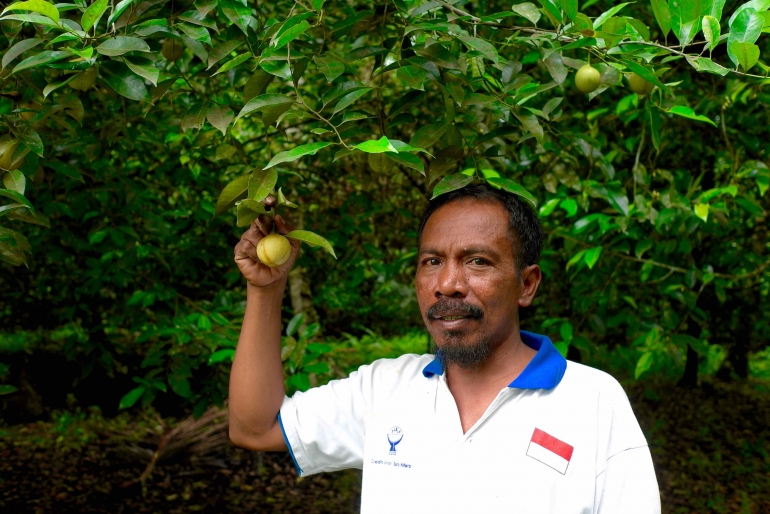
(288, 445)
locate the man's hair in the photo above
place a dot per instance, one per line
(522, 219)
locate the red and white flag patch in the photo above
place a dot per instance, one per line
(550, 451)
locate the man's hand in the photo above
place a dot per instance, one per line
(255, 272)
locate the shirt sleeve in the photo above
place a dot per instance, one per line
(324, 427)
(626, 479)
(628, 484)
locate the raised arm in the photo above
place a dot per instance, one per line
(256, 379)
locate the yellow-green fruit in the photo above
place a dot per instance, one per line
(6, 152)
(587, 79)
(172, 50)
(273, 250)
(639, 85)
(84, 80)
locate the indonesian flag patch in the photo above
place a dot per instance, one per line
(550, 451)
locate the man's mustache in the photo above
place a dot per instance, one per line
(453, 306)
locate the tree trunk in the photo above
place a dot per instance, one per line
(690, 378)
(299, 289)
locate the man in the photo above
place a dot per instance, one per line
(496, 421)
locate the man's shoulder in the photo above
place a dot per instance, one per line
(582, 378)
(405, 367)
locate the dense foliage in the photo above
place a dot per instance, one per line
(124, 122)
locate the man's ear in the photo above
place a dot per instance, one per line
(530, 281)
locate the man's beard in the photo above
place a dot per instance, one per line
(455, 349)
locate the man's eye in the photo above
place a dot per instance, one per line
(431, 262)
(479, 261)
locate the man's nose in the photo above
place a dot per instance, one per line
(451, 281)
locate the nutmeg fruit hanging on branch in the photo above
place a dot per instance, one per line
(273, 250)
(587, 79)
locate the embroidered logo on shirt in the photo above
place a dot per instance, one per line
(394, 437)
(550, 451)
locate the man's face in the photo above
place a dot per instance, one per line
(468, 288)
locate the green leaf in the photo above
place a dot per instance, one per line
(413, 76)
(763, 183)
(485, 48)
(232, 192)
(16, 197)
(744, 28)
(552, 11)
(220, 117)
(440, 55)
(515, 188)
(257, 85)
(705, 64)
(428, 135)
(330, 67)
(222, 50)
(118, 10)
(290, 35)
(18, 49)
(130, 398)
(237, 12)
(195, 116)
(40, 59)
(294, 324)
(245, 215)
(618, 199)
(29, 138)
(643, 364)
(451, 183)
(264, 102)
(120, 45)
(407, 159)
(123, 81)
(578, 257)
(195, 32)
(15, 181)
(38, 6)
(7, 389)
(591, 257)
(570, 7)
(528, 10)
(711, 31)
(662, 15)
(261, 184)
(300, 381)
(312, 239)
(319, 367)
(145, 68)
(240, 59)
(646, 74)
(702, 211)
(686, 112)
(747, 54)
(364, 52)
(349, 99)
(180, 385)
(599, 21)
(225, 355)
(296, 153)
(381, 145)
(531, 125)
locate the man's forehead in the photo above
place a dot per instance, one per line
(472, 221)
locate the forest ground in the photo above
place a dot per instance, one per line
(711, 448)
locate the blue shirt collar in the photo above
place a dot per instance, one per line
(544, 371)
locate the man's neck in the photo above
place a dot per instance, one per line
(475, 388)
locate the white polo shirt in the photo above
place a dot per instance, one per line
(561, 438)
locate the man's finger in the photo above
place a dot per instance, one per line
(265, 224)
(246, 248)
(282, 226)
